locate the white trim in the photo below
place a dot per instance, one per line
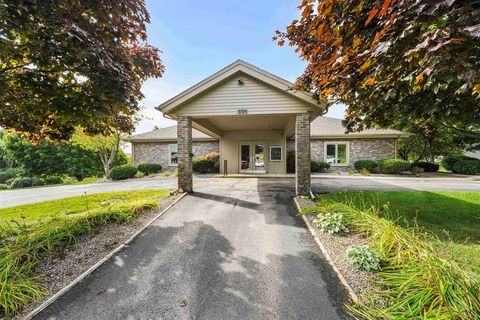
(170, 164)
(336, 143)
(270, 154)
(234, 68)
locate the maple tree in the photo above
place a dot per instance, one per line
(392, 58)
(69, 63)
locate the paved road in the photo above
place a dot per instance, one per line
(230, 250)
(325, 183)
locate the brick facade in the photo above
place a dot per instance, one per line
(184, 154)
(302, 155)
(157, 152)
(359, 149)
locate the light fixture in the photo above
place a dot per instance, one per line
(241, 81)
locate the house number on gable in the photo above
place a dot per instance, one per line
(242, 112)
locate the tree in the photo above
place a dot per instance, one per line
(54, 158)
(106, 147)
(386, 59)
(69, 63)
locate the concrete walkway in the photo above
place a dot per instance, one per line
(320, 183)
(228, 251)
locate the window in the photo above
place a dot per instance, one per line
(336, 153)
(276, 153)
(172, 154)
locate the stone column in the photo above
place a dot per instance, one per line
(302, 154)
(184, 155)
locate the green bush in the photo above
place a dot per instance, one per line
(148, 168)
(24, 182)
(393, 166)
(319, 166)
(123, 172)
(416, 171)
(8, 174)
(450, 161)
(52, 180)
(467, 166)
(331, 223)
(362, 258)
(211, 156)
(3, 186)
(291, 162)
(370, 165)
(427, 166)
(202, 165)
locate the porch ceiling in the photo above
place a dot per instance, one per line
(250, 122)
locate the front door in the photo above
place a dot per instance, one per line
(252, 158)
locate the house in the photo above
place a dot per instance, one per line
(254, 118)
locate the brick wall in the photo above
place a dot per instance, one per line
(360, 149)
(302, 156)
(157, 152)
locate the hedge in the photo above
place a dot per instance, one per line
(370, 165)
(25, 182)
(202, 165)
(450, 161)
(8, 174)
(467, 166)
(319, 166)
(52, 180)
(427, 166)
(148, 168)
(123, 172)
(394, 166)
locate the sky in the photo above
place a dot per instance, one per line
(197, 38)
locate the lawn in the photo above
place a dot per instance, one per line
(452, 217)
(47, 210)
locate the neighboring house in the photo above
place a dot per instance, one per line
(251, 117)
(328, 143)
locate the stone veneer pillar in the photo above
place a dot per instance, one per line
(184, 153)
(302, 154)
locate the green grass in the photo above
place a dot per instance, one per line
(452, 217)
(68, 206)
(86, 181)
(23, 244)
(417, 281)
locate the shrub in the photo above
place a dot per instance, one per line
(393, 166)
(166, 173)
(52, 180)
(467, 166)
(351, 171)
(123, 172)
(3, 186)
(8, 174)
(427, 166)
(175, 173)
(364, 172)
(291, 162)
(331, 223)
(139, 174)
(147, 168)
(202, 165)
(211, 156)
(69, 179)
(362, 258)
(416, 171)
(24, 182)
(449, 161)
(319, 166)
(370, 165)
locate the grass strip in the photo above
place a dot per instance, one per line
(24, 244)
(415, 281)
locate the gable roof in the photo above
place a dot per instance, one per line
(234, 68)
(321, 127)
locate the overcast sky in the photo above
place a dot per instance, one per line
(197, 38)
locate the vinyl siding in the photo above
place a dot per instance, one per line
(254, 96)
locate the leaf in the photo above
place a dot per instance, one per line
(372, 14)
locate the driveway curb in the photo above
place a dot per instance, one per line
(351, 293)
(62, 291)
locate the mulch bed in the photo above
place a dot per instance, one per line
(60, 268)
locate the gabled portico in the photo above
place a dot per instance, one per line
(252, 113)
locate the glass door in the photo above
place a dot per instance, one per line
(252, 158)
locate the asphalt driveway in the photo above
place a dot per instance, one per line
(227, 251)
(322, 183)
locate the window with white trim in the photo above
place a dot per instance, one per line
(276, 153)
(172, 154)
(337, 153)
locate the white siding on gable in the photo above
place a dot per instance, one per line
(253, 96)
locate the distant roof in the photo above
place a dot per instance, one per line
(321, 127)
(167, 134)
(332, 127)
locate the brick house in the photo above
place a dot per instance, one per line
(253, 119)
